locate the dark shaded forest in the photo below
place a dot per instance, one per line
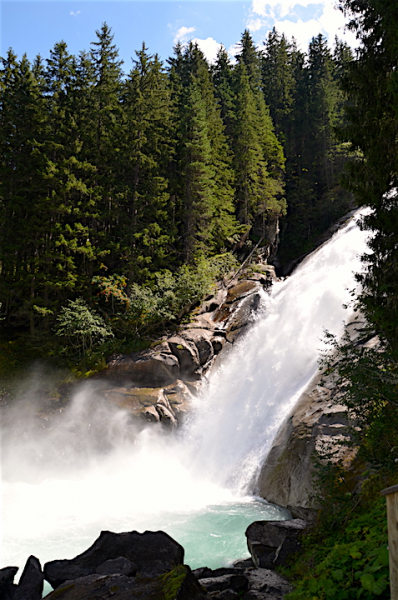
(118, 188)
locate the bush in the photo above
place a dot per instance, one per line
(162, 300)
(349, 564)
(82, 327)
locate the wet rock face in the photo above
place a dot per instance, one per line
(316, 422)
(166, 405)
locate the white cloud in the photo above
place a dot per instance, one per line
(233, 51)
(74, 14)
(302, 31)
(282, 14)
(255, 24)
(183, 34)
(282, 8)
(209, 47)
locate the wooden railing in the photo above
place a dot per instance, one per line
(391, 495)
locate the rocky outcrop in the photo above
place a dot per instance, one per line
(139, 566)
(149, 554)
(248, 583)
(30, 586)
(271, 543)
(317, 422)
(157, 384)
(165, 404)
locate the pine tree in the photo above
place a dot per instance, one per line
(372, 130)
(146, 229)
(258, 155)
(69, 203)
(190, 76)
(21, 188)
(278, 82)
(105, 121)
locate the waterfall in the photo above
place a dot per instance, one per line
(90, 471)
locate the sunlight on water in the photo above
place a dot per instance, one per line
(92, 471)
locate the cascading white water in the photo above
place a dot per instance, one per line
(63, 484)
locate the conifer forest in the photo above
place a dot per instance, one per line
(116, 182)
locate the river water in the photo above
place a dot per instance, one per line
(62, 485)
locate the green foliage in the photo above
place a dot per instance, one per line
(148, 308)
(366, 371)
(81, 327)
(351, 562)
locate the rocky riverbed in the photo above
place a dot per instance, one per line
(150, 566)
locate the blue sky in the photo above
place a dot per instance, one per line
(34, 26)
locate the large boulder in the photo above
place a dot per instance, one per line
(153, 367)
(177, 584)
(271, 543)
(265, 584)
(151, 553)
(7, 586)
(30, 586)
(236, 582)
(187, 354)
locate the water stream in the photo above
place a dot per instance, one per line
(62, 485)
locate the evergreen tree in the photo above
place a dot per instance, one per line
(372, 129)
(69, 203)
(258, 155)
(146, 230)
(105, 121)
(278, 82)
(222, 72)
(190, 76)
(23, 222)
(316, 157)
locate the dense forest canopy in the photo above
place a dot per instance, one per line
(110, 180)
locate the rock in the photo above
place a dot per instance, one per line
(30, 585)
(226, 595)
(117, 566)
(153, 553)
(245, 563)
(166, 415)
(7, 586)
(266, 585)
(165, 404)
(242, 316)
(218, 343)
(153, 367)
(178, 584)
(206, 573)
(238, 583)
(240, 290)
(317, 422)
(202, 338)
(286, 477)
(271, 543)
(188, 357)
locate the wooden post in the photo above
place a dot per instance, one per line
(391, 495)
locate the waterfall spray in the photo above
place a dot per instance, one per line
(90, 471)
